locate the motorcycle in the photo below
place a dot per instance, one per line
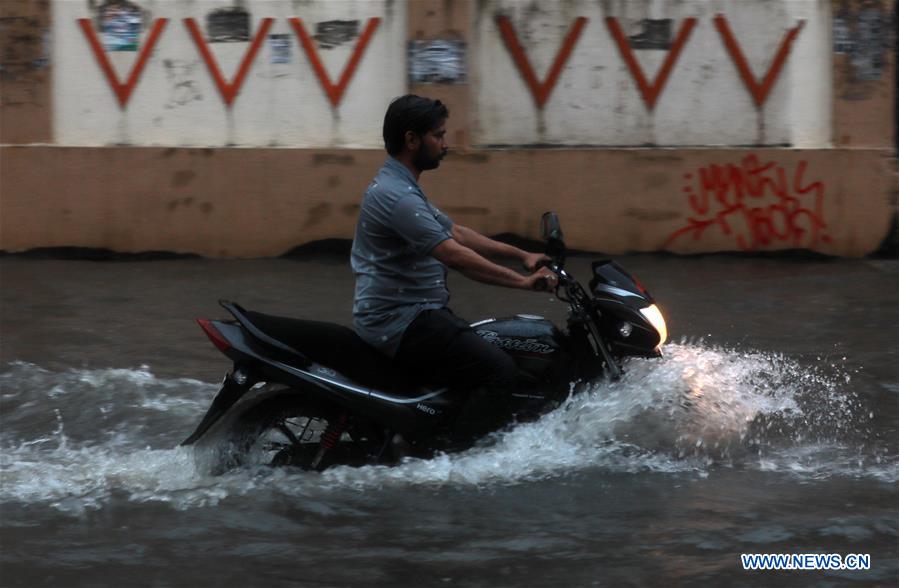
(313, 395)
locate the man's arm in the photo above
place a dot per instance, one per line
(487, 247)
(472, 265)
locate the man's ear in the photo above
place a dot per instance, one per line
(411, 140)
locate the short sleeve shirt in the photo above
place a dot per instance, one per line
(396, 275)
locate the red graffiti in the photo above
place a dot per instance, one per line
(650, 93)
(759, 204)
(540, 91)
(759, 91)
(228, 90)
(122, 91)
(334, 91)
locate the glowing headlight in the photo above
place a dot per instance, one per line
(654, 316)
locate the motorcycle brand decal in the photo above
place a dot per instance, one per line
(326, 371)
(526, 345)
(427, 409)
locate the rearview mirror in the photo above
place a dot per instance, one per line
(551, 232)
(549, 227)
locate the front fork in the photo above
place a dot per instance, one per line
(604, 353)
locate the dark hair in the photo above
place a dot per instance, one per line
(411, 113)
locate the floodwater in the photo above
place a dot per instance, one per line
(769, 426)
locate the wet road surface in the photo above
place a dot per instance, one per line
(770, 426)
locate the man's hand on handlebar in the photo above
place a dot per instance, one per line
(544, 279)
(532, 260)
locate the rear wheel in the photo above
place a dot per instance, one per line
(286, 430)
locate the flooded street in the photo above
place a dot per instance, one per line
(771, 425)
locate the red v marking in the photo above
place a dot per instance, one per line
(228, 90)
(540, 91)
(122, 91)
(334, 92)
(758, 90)
(649, 92)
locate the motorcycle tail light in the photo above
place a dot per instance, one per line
(214, 335)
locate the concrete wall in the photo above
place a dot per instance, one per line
(86, 169)
(653, 72)
(280, 101)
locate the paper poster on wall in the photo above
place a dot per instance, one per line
(280, 46)
(334, 33)
(228, 25)
(439, 61)
(120, 24)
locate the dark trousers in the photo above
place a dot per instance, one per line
(439, 348)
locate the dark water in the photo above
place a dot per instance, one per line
(770, 426)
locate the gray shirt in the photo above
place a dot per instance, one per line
(396, 276)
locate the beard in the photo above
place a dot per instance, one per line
(423, 162)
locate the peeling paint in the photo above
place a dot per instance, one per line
(865, 36)
(183, 87)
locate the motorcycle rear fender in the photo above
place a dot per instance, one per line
(325, 385)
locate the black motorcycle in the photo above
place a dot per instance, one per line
(313, 394)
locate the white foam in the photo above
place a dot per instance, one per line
(696, 409)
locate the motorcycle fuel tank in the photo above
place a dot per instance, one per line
(537, 345)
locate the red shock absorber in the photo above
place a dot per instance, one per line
(333, 432)
(330, 438)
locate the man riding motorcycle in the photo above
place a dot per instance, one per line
(402, 247)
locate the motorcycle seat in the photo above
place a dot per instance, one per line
(337, 347)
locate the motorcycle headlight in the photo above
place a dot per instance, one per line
(654, 316)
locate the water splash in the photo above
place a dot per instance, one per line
(76, 439)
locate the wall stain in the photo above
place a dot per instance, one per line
(350, 209)
(317, 214)
(644, 214)
(475, 157)
(476, 210)
(333, 181)
(182, 178)
(658, 158)
(332, 158)
(183, 87)
(206, 207)
(173, 205)
(656, 180)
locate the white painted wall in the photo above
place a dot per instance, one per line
(705, 102)
(595, 102)
(176, 102)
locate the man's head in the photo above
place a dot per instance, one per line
(414, 129)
